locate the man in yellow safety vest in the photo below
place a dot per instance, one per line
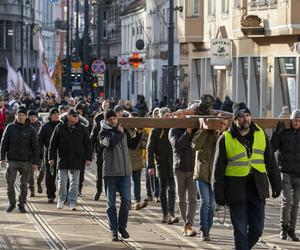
(244, 161)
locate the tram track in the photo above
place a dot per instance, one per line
(41, 225)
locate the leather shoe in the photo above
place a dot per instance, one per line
(22, 210)
(10, 208)
(124, 233)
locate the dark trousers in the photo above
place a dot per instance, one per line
(167, 195)
(81, 178)
(154, 185)
(136, 177)
(40, 176)
(50, 182)
(248, 220)
(99, 179)
(24, 169)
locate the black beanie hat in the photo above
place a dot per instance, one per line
(109, 113)
(21, 110)
(53, 111)
(239, 109)
(32, 112)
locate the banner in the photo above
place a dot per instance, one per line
(56, 75)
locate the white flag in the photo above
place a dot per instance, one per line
(12, 77)
(22, 85)
(46, 84)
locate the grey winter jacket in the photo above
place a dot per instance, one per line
(116, 161)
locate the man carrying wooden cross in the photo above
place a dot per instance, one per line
(244, 161)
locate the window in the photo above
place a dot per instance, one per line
(211, 8)
(237, 3)
(225, 6)
(133, 31)
(2, 35)
(193, 8)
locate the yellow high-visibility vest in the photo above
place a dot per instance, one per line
(239, 165)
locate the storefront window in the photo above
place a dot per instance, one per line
(287, 67)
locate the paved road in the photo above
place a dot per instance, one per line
(46, 227)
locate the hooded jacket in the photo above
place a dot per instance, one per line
(116, 160)
(19, 143)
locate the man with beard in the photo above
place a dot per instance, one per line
(244, 161)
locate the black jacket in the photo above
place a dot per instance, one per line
(95, 134)
(19, 143)
(44, 136)
(183, 154)
(232, 190)
(159, 152)
(288, 144)
(72, 145)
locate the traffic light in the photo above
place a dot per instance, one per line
(63, 72)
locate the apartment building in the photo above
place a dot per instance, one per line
(147, 21)
(260, 42)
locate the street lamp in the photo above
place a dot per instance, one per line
(98, 4)
(27, 2)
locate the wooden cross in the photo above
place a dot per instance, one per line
(207, 122)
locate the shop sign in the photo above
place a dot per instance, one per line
(220, 52)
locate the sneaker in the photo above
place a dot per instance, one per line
(72, 206)
(189, 231)
(115, 237)
(171, 219)
(139, 205)
(97, 196)
(22, 209)
(204, 235)
(124, 233)
(165, 219)
(60, 204)
(50, 200)
(10, 208)
(40, 188)
(156, 199)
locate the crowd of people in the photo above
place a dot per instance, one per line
(226, 167)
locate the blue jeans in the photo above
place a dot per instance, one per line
(63, 176)
(207, 204)
(136, 177)
(248, 221)
(112, 185)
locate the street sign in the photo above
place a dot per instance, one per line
(98, 66)
(76, 67)
(53, 1)
(100, 80)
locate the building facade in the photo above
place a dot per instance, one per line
(264, 60)
(36, 19)
(147, 21)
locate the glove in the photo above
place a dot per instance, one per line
(280, 127)
(276, 193)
